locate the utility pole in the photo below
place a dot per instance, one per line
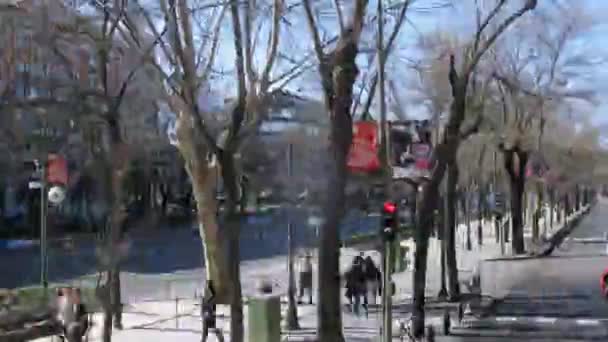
(43, 232)
(292, 310)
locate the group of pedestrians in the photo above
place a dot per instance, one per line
(363, 279)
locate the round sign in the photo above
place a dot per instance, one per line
(56, 194)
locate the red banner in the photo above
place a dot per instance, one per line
(57, 170)
(363, 155)
(422, 155)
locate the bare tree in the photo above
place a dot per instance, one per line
(206, 150)
(446, 150)
(111, 44)
(338, 72)
(528, 96)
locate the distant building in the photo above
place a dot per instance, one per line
(30, 70)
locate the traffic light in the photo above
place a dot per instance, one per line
(389, 220)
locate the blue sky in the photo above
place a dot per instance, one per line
(296, 42)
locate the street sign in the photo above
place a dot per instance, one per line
(34, 185)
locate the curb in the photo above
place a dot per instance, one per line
(561, 234)
(540, 326)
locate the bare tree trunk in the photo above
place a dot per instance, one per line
(450, 229)
(202, 171)
(421, 237)
(328, 308)
(232, 222)
(118, 168)
(467, 215)
(551, 207)
(538, 212)
(517, 186)
(480, 210)
(441, 230)
(577, 196)
(338, 72)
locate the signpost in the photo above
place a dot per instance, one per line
(52, 171)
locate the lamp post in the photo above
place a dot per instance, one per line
(48, 192)
(292, 310)
(41, 170)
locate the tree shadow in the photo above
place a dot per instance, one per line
(171, 250)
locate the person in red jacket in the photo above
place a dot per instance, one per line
(603, 283)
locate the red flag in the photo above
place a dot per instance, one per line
(363, 155)
(57, 170)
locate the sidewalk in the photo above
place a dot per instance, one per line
(156, 320)
(468, 261)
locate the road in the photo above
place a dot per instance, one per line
(555, 298)
(167, 262)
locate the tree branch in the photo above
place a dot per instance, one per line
(214, 48)
(314, 31)
(340, 15)
(528, 6)
(248, 51)
(482, 26)
(274, 44)
(238, 47)
(300, 64)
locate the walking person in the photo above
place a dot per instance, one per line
(209, 315)
(355, 283)
(373, 281)
(305, 278)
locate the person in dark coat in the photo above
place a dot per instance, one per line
(355, 283)
(373, 280)
(209, 315)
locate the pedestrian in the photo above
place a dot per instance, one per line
(71, 314)
(305, 278)
(208, 313)
(355, 283)
(373, 281)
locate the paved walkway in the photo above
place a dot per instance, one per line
(180, 321)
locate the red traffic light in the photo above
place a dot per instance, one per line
(390, 207)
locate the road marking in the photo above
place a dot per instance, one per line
(549, 320)
(587, 322)
(506, 319)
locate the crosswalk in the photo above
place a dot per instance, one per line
(557, 315)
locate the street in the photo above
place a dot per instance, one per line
(556, 298)
(167, 262)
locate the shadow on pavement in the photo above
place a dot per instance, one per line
(170, 250)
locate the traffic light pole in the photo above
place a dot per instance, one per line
(388, 234)
(43, 232)
(387, 319)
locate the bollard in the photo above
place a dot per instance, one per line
(264, 315)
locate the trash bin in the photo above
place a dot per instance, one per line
(264, 317)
